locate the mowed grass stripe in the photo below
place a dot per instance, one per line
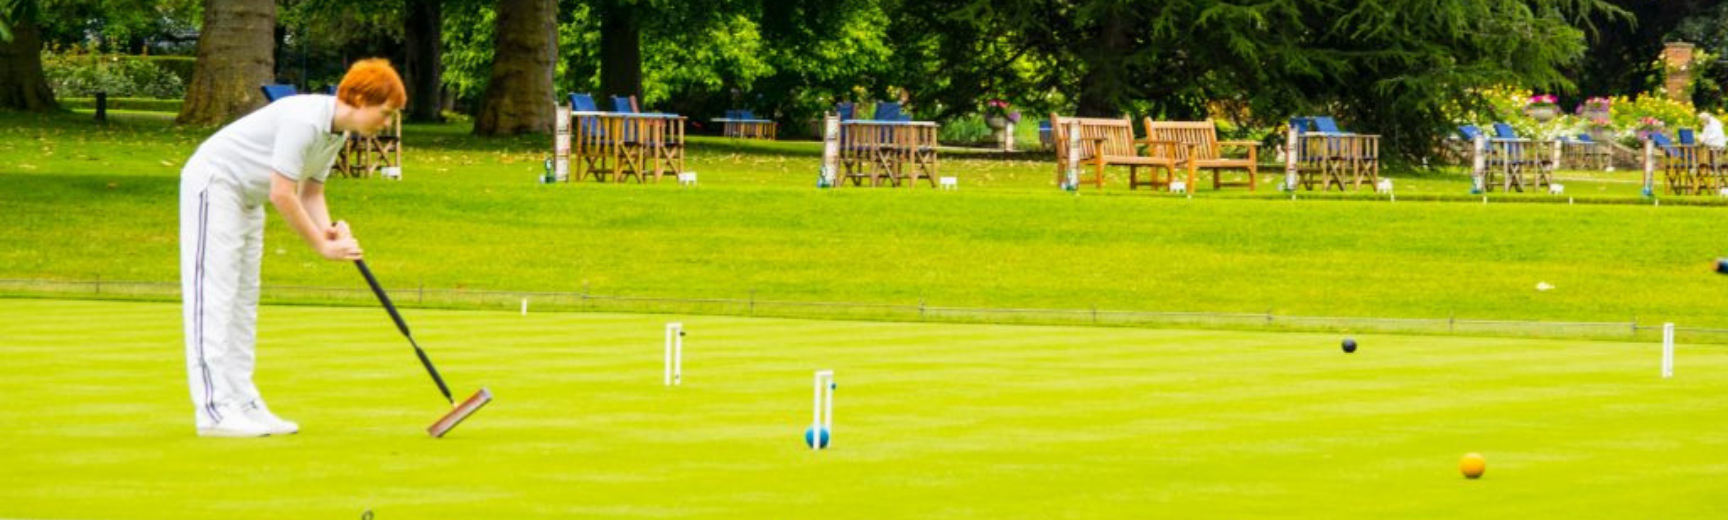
(946, 420)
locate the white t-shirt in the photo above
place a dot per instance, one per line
(290, 136)
(1713, 136)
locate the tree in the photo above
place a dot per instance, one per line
(1622, 54)
(235, 57)
(1395, 67)
(421, 67)
(22, 84)
(620, 48)
(519, 93)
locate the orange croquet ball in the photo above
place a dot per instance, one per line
(1472, 465)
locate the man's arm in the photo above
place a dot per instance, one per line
(312, 198)
(285, 194)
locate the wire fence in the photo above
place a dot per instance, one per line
(540, 301)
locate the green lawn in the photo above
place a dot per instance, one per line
(937, 420)
(932, 421)
(87, 202)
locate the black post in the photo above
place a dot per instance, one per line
(102, 107)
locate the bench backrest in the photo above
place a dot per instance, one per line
(1202, 134)
(1117, 136)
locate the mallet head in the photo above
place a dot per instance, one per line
(461, 411)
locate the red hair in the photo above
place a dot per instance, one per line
(372, 82)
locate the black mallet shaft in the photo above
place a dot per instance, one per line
(403, 326)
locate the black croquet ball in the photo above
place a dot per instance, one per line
(1349, 345)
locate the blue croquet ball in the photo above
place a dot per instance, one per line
(1349, 345)
(810, 437)
(1722, 266)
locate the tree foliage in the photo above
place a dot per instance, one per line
(1385, 66)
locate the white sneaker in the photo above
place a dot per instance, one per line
(260, 414)
(234, 424)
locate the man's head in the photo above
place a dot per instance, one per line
(375, 91)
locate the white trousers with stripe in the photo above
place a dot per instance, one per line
(221, 247)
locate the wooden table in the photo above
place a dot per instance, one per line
(613, 146)
(1520, 162)
(362, 156)
(1342, 160)
(747, 128)
(894, 151)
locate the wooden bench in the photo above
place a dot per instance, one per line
(1108, 142)
(1199, 148)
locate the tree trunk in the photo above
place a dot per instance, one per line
(235, 57)
(519, 96)
(620, 51)
(422, 69)
(1105, 82)
(22, 85)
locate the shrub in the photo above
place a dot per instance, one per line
(83, 75)
(1628, 117)
(968, 129)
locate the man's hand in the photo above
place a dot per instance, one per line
(338, 231)
(340, 249)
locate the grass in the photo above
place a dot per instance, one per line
(88, 201)
(934, 420)
(942, 421)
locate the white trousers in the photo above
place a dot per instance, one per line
(221, 247)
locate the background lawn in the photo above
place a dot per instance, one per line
(87, 202)
(939, 421)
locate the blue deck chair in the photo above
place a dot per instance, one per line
(582, 102)
(275, 92)
(1504, 131)
(888, 111)
(1687, 137)
(1679, 163)
(1045, 138)
(1325, 124)
(1667, 145)
(1469, 132)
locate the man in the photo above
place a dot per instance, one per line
(1712, 135)
(281, 153)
